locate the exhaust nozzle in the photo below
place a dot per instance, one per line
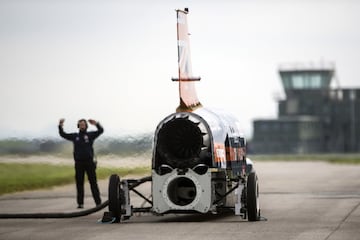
(181, 191)
(182, 142)
(188, 191)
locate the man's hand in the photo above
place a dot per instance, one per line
(92, 121)
(61, 121)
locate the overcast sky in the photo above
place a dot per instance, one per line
(113, 60)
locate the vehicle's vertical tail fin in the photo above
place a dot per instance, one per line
(188, 97)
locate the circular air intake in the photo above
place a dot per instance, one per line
(180, 142)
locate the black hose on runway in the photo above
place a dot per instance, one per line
(56, 215)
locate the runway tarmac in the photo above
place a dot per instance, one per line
(305, 200)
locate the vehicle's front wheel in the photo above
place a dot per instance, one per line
(116, 196)
(252, 197)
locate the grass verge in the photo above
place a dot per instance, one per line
(16, 177)
(331, 158)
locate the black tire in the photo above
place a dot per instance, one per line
(115, 196)
(252, 197)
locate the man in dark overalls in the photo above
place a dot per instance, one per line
(84, 157)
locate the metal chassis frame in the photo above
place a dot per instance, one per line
(130, 185)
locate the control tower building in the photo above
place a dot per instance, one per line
(313, 117)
